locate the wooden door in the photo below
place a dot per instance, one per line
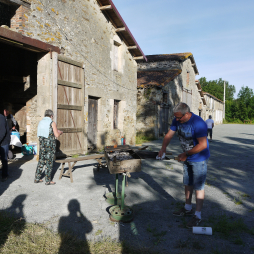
(70, 105)
(164, 112)
(92, 122)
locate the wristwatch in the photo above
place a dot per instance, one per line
(187, 154)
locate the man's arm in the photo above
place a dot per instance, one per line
(202, 144)
(165, 142)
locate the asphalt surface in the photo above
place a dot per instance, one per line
(153, 194)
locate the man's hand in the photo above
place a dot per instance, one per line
(165, 143)
(60, 132)
(161, 152)
(182, 157)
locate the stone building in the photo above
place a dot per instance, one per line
(73, 56)
(213, 107)
(164, 81)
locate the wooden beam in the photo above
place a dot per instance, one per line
(70, 84)
(132, 47)
(69, 61)
(105, 7)
(69, 107)
(70, 130)
(121, 29)
(138, 57)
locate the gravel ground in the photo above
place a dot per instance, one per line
(153, 194)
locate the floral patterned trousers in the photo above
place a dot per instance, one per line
(46, 158)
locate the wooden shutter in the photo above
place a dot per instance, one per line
(70, 106)
(92, 122)
(115, 57)
(116, 106)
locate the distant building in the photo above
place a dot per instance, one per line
(164, 81)
(213, 107)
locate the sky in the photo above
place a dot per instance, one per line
(219, 34)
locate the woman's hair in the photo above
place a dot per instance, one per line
(182, 107)
(48, 113)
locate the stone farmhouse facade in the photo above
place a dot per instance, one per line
(164, 81)
(73, 56)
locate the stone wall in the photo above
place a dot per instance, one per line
(188, 74)
(150, 99)
(84, 34)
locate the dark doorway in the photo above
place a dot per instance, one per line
(18, 81)
(164, 112)
(92, 122)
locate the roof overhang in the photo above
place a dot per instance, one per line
(194, 64)
(25, 3)
(110, 11)
(19, 40)
(156, 78)
(200, 91)
(212, 96)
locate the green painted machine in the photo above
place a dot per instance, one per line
(122, 160)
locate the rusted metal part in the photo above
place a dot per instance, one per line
(25, 42)
(118, 148)
(149, 155)
(117, 166)
(121, 166)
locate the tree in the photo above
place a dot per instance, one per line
(243, 111)
(245, 94)
(216, 88)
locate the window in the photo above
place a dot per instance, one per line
(12, 14)
(5, 14)
(165, 98)
(188, 79)
(116, 56)
(115, 117)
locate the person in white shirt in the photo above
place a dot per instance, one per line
(210, 125)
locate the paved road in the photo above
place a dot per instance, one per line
(153, 193)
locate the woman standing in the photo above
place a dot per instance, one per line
(47, 132)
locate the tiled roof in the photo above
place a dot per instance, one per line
(156, 78)
(168, 57)
(172, 57)
(200, 91)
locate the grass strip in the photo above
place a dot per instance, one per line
(18, 236)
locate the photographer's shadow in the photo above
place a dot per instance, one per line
(73, 226)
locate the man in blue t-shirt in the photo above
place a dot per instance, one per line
(192, 133)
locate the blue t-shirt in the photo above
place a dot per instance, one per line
(188, 133)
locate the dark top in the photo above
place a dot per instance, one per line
(5, 137)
